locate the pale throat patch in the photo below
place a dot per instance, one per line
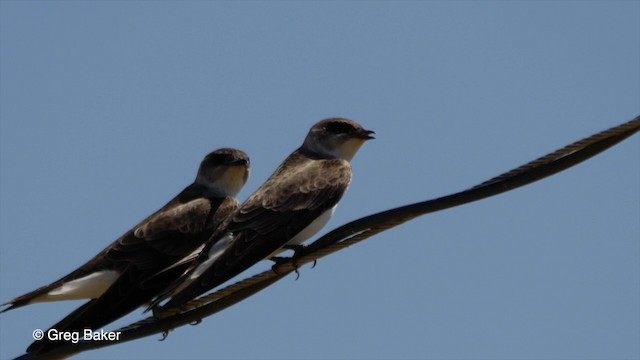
(228, 182)
(232, 180)
(349, 148)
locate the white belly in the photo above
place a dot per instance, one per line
(313, 228)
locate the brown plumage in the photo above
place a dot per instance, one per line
(293, 204)
(137, 259)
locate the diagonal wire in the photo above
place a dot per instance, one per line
(356, 231)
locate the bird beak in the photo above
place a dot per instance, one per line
(240, 162)
(365, 134)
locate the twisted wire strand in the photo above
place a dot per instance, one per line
(359, 230)
(568, 150)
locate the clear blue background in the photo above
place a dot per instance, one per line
(107, 108)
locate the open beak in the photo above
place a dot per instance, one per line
(365, 134)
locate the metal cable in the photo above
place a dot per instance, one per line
(359, 230)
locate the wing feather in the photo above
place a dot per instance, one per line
(294, 196)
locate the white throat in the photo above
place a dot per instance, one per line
(228, 184)
(346, 150)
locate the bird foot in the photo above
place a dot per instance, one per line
(165, 334)
(279, 260)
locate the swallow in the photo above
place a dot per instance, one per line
(137, 266)
(290, 207)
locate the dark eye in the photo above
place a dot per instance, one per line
(217, 159)
(340, 128)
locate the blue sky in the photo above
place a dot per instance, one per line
(107, 108)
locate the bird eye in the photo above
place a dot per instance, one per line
(217, 158)
(339, 127)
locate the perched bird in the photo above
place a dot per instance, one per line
(290, 207)
(133, 269)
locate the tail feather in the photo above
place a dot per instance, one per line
(96, 264)
(28, 298)
(127, 294)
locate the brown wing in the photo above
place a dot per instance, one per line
(185, 218)
(303, 186)
(171, 234)
(153, 245)
(301, 190)
(129, 248)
